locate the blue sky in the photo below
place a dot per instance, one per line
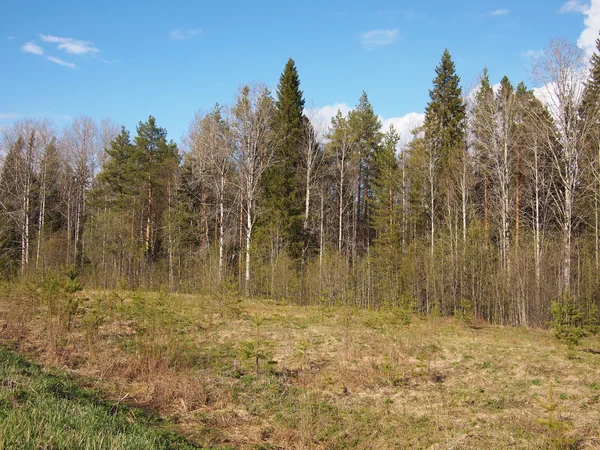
(129, 59)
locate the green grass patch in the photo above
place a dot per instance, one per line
(42, 410)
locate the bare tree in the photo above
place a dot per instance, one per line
(24, 143)
(312, 157)
(82, 147)
(561, 72)
(341, 148)
(251, 117)
(211, 155)
(495, 120)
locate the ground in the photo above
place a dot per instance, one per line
(227, 372)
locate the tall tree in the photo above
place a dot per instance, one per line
(158, 160)
(81, 144)
(384, 186)
(559, 69)
(366, 134)
(445, 118)
(340, 150)
(384, 216)
(590, 112)
(25, 142)
(283, 180)
(49, 182)
(13, 190)
(118, 196)
(495, 124)
(211, 156)
(537, 144)
(251, 120)
(312, 157)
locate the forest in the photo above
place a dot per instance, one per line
(492, 209)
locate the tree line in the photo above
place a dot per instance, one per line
(492, 209)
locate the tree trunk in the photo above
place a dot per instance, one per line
(221, 226)
(248, 242)
(42, 217)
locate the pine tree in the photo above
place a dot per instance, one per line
(365, 127)
(282, 181)
(158, 160)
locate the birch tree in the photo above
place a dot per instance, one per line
(81, 144)
(560, 70)
(341, 150)
(251, 118)
(211, 154)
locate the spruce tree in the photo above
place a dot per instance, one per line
(282, 181)
(445, 114)
(590, 126)
(591, 95)
(11, 214)
(120, 176)
(445, 121)
(52, 171)
(118, 197)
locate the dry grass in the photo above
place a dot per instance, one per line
(259, 374)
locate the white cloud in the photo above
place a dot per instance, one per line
(329, 111)
(549, 93)
(110, 61)
(499, 12)
(573, 6)
(32, 48)
(181, 35)
(379, 38)
(70, 45)
(404, 126)
(591, 11)
(60, 62)
(532, 54)
(9, 116)
(321, 119)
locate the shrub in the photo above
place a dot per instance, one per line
(567, 321)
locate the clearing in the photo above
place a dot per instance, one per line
(226, 372)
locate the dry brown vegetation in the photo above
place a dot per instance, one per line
(232, 373)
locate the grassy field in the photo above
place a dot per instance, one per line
(258, 374)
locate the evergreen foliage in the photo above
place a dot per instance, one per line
(445, 114)
(282, 181)
(365, 128)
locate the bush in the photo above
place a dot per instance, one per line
(567, 321)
